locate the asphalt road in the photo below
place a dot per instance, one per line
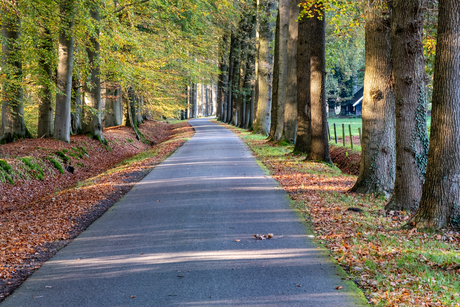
(184, 237)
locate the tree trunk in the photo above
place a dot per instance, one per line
(45, 109)
(265, 65)
(235, 84)
(62, 124)
(113, 105)
(13, 126)
(76, 105)
(276, 78)
(290, 108)
(282, 63)
(377, 167)
(93, 119)
(303, 141)
(411, 106)
(440, 203)
(319, 150)
(230, 78)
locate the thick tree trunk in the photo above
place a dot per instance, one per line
(45, 109)
(276, 78)
(62, 124)
(282, 63)
(303, 141)
(290, 108)
(377, 167)
(77, 109)
(319, 150)
(113, 105)
(411, 106)
(439, 206)
(93, 120)
(13, 125)
(265, 65)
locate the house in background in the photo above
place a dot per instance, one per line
(357, 102)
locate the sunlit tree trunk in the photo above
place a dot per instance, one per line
(282, 64)
(13, 125)
(319, 150)
(265, 9)
(411, 105)
(440, 203)
(378, 155)
(290, 108)
(62, 124)
(303, 140)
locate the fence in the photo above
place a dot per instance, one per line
(343, 134)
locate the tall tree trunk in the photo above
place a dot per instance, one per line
(377, 166)
(13, 125)
(303, 140)
(62, 125)
(282, 62)
(230, 77)
(319, 139)
(411, 106)
(45, 109)
(236, 77)
(113, 105)
(439, 206)
(93, 119)
(265, 9)
(276, 80)
(290, 108)
(76, 105)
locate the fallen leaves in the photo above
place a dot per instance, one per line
(263, 237)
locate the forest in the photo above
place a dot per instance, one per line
(276, 68)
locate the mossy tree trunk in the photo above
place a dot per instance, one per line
(411, 106)
(13, 126)
(440, 203)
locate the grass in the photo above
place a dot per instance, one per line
(34, 167)
(393, 267)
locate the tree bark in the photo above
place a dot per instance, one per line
(45, 109)
(440, 203)
(411, 106)
(303, 140)
(62, 124)
(76, 105)
(282, 69)
(13, 126)
(265, 65)
(276, 78)
(235, 84)
(319, 150)
(113, 105)
(377, 166)
(290, 108)
(93, 119)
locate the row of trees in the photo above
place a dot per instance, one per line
(281, 92)
(61, 60)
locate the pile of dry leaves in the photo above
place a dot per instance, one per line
(39, 216)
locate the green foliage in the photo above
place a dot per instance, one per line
(63, 156)
(37, 171)
(6, 167)
(56, 164)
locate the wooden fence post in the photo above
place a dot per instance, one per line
(351, 136)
